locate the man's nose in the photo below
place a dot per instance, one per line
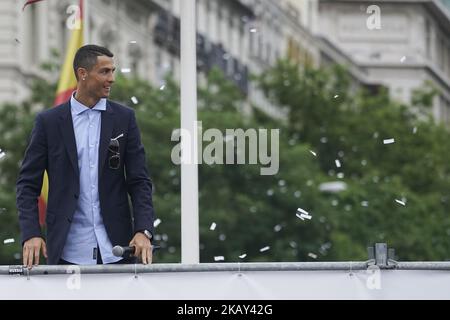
(111, 77)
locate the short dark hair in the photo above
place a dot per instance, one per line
(86, 57)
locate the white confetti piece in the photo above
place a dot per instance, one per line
(313, 153)
(277, 228)
(303, 211)
(400, 202)
(336, 96)
(133, 41)
(303, 216)
(156, 222)
(219, 258)
(312, 255)
(340, 175)
(6, 241)
(125, 70)
(2, 154)
(365, 203)
(338, 163)
(242, 256)
(306, 216)
(403, 59)
(414, 130)
(162, 87)
(264, 249)
(134, 100)
(213, 226)
(253, 30)
(388, 141)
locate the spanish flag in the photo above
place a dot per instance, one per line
(66, 85)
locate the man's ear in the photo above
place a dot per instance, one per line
(82, 74)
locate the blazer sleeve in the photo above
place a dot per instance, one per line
(139, 185)
(29, 182)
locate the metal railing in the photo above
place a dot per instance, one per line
(379, 256)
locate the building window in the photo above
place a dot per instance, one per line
(268, 53)
(428, 39)
(33, 54)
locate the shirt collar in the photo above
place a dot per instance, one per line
(78, 107)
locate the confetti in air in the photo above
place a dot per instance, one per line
(365, 203)
(213, 226)
(2, 154)
(219, 258)
(414, 130)
(162, 87)
(133, 42)
(303, 214)
(336, 96)
(156, 222)
(338, 163)
(277, 228)
(400, 202)
(134, 100)
(312, 255)
(388, 141)
(253, 30)
(264, 249)
(125, 70)
(313, 153)
(403, 59)
(6, 241)
(242, 256)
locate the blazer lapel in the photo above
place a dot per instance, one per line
(68, 135)
(105, 136)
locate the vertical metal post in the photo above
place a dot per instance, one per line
(189, 169)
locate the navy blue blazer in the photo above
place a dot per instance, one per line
(52, 147)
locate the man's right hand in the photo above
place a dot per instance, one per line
(31, 250)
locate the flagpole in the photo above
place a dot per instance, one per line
(84, 5)
(189, 169)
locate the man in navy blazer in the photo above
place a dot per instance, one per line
(92, 152)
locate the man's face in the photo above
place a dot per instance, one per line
(100, 79)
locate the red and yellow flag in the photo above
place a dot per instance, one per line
(66, 85)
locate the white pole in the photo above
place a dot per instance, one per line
(86, 25)
(189, 169)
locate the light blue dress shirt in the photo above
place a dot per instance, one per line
(87, 231)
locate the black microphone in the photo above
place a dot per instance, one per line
(120, 251)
